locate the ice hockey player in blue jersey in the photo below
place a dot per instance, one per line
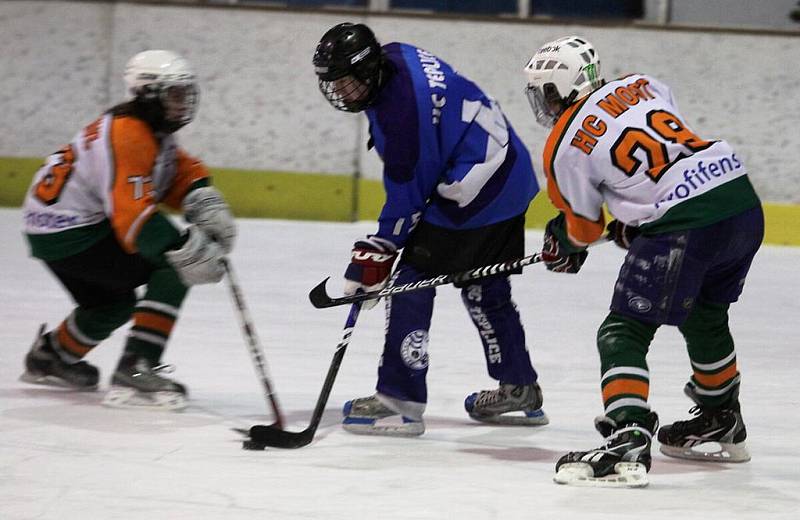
(458, 181)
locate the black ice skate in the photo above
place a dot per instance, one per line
(508, 404)
(623, 461)
(43, 366)
(715, 434)
(369, 416)
(138, 384)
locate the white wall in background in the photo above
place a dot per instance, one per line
(61, 64)
(735, 13)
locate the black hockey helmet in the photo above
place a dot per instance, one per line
(348, 65)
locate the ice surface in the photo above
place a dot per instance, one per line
(63, 456)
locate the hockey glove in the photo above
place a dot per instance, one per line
(206, 208)
(371, 264)
(622, 234)
(558, 253)
(198, 261)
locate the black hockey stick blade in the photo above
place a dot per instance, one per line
(319, 295)
(248, 443)
(320, 299)
(260, 436)
(271, 435)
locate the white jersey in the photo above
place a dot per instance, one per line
(114, 169)
(626, 144)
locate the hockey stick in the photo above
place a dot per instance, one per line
(253, 345)
(273, 435)
(320, 299)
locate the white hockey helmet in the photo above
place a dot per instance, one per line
(166, 79)
(561, 72)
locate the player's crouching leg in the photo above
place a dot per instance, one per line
(140, 380)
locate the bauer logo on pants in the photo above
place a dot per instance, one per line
(414, 350)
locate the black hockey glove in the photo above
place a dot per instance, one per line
(558, 253)
(622, 234)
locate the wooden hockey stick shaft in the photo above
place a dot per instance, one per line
(253, 345)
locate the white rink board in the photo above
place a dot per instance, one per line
(65, 457)
(260, 107)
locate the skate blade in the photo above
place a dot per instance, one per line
(53, 382)
(626, 475)
(391, 427)
(130, 398)
(709, 452)
(535, 418)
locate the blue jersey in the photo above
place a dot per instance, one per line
(450, 156)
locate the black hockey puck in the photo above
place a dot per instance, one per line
(250, 444)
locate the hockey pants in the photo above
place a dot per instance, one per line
(103, 280)
(404, 363)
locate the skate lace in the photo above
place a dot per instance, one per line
(613, 439)
(490, 397)
(689, 424)
(154, 372)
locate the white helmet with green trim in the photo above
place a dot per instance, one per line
(561, 72)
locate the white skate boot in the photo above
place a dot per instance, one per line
(370, 416)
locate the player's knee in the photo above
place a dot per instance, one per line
(706, 317)
(165, 286)
(621, 335)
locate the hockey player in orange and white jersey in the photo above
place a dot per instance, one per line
(92, 215)
(691, 222)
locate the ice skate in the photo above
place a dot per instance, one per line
(623, 461)
(138, 384)
(43, 366)
(369, 416)
(714, 434)
(508, 404)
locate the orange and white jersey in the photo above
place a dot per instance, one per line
(113, 169)
(626, 144)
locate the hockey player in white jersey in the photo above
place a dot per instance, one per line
(691, 222)
(92, 216)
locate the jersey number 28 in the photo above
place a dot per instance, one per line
(670, 129)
